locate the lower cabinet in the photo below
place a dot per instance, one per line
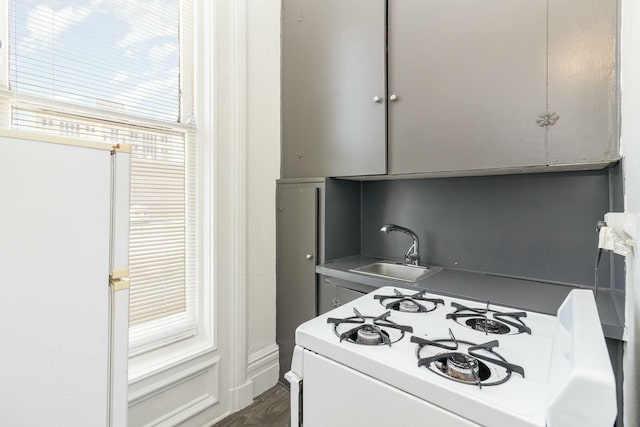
(334, 292)
(316, 219)
(296, 253)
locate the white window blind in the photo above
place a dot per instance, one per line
(122, 72)
(114, 55)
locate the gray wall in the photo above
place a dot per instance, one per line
(538, 226)
(616, 202)
(342, 218)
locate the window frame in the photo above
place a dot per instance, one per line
(147, 363)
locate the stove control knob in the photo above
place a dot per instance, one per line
(335, 302)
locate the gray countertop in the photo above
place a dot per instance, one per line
(523, 294)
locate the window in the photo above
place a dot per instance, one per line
(121, 72)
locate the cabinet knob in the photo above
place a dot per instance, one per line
(377, 99)
(393, 97)
(309, 256)
(335, 302)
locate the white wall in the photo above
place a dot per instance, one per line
(263, 152)
(263, 168)
(630, 147)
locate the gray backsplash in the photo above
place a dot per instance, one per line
(343, 215)
(538, 226)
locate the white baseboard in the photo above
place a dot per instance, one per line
(242, 396)
(184, 413)
(216, 420)
(263, 368)
(174, 397)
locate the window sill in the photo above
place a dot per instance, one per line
(148, 364)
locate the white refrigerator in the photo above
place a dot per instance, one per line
(64, 231)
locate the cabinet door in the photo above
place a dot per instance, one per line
(469, 79)
(333, 67)
(582, 81)
(297, 222)
(345, 295)
(334, 292)
(326, 295)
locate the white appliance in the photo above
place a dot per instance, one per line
(399, 358)
(64, 264)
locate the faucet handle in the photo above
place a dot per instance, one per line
(412, 258)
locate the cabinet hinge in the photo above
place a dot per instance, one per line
(548, 119)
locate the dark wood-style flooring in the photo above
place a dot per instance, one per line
(270, 409)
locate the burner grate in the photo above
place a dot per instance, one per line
(466, 362)
(416, 303)
(371, 330)
(488, 320)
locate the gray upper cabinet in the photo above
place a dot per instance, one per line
(467, 80)
(333, 88)
(583, 81)
(473, 86)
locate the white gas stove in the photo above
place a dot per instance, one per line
(395, 357)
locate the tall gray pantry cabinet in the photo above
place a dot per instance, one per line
(472, 87)
(296, 254)
(316, 220)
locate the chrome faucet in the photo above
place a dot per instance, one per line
(412, 256)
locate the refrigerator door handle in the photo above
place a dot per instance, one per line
(120, 283)
(119, 274)
(119, 279)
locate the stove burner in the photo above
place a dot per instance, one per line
(479, 365)
(371, 330)
(368, 336)
(463, 367)
(408, 306)
(415, 303)
(488, 325)
(488, 320)
(462, 361)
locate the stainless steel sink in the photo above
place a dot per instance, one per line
(396, 271)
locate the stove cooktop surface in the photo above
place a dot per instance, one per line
(468, 357)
